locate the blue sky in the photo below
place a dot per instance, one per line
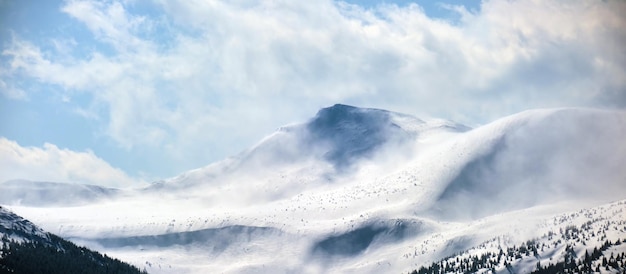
(134, 91)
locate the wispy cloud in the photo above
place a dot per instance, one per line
(204, 78)
(110, 23)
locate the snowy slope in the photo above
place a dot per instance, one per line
(16, 228)
(586, 240)
(360, 190)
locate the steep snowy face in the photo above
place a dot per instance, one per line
(347, 133)
(539, 157)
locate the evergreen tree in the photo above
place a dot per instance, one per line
(62, 257)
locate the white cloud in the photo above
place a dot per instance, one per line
(205, 78)
(52, 164)
(108, 22)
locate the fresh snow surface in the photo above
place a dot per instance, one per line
(575, 233)
(361, 190)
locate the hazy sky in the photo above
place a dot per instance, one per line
(125, 92)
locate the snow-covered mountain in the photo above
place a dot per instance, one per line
(331, 144)
(356, 190)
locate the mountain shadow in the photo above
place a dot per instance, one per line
(357, 241)
(349, 133)
(216, 239)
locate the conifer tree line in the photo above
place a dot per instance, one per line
(60, 257)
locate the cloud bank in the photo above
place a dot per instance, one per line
(52, 164)
(200, 80)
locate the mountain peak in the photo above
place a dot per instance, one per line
(340, 106)
(339, 115)
(351, 132)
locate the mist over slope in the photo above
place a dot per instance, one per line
(540, 156)
(329, 146)
(29, 193)
(355, 190)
